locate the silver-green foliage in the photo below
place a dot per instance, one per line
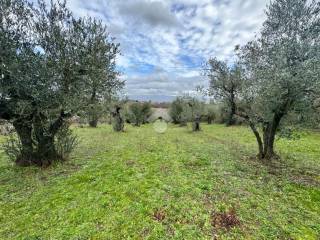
(186, 109)
(50, 62)
(138, 112)
(282, 68)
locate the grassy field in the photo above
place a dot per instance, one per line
(177, 185)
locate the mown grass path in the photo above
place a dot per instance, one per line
(144, 185)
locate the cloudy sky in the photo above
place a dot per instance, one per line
(165, 42)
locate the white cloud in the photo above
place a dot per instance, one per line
(173, 36)
(150, 12)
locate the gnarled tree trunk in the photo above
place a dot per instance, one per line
(266, 142)
(93, 122)
(196, 124)
(93, 113)
(24, 132)
(118, 125)
(45, 152)
(269, 134)
(38, 139)
(232, 111)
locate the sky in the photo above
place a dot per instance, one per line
(164, 43)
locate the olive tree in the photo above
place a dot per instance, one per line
(138, 113)
(43, 67)
(101, 74)
(224, 84)
(186, 109)
(117, 119)
(178, 111)
(281, 69)
(210, 112)
(196, 109)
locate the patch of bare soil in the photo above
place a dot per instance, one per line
(225, 220)
(159, 215)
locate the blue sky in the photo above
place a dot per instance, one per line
(164, 43)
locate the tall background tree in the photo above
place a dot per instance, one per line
(224, 84)
(101, 72)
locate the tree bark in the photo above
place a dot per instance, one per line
(232, 112)
(196, 124)
(258, 138)
(45, 152)
(269, 133)
(93, 122)
(118, 125)
(93, 114)
(265, 144)
(24, 131)
(209, 119)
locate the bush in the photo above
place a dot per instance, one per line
(222, 114)
(12, 146)
(146, 112)
(6, 128)
(288, 133)
(65, 142)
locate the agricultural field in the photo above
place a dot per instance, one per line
(140, 184)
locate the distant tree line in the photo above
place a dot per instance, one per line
(186, 109)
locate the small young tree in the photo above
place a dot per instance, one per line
(138, 113)
(282, 69)
(196, 110)
(178, 112)
(210, 112)
(225, 83)
(146, 112)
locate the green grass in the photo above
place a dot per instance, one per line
(144, 185)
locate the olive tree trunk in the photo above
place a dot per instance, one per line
(266, 142)
(118, 125)
(93, 112)
(37, 140)
(196, 124)
(93, 122)
(232, 111)
(24, 132)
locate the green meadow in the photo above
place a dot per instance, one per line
(177, 185)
